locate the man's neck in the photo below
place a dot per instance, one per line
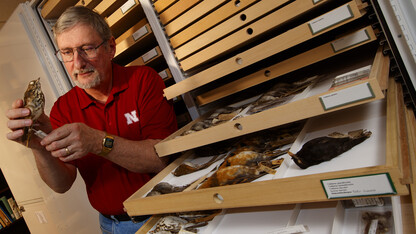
(102, 92)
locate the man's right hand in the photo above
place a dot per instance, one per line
(18, 121)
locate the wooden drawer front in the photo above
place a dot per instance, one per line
(192, 15)
(177, 9)
(52, 9)
(165, 74)
(150, 57)
(208, 21)
(319, 217)
(138, 42)
(289, 183)
(131, 31)
(91, 4)
(107, 7)
(342, 44)
(162, 5)
(125, 17)
(244, 35)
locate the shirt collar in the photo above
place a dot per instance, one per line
(120, 83)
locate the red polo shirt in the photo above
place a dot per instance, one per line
(135, 110)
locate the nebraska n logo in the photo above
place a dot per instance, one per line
(131, 117)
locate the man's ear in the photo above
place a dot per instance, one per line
(112, 46)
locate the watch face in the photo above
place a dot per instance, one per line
(108, 143)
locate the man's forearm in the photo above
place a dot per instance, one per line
(137, 156)
(59, 176)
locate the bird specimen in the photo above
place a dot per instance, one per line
(325, 148)
(34, 100)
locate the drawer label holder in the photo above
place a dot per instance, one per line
(350, 40)
(347, 96)
(140, 33)
(359, 186)
(331, 18)
(127, 6)
(149, 55)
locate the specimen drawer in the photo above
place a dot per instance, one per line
(304, 105)
(376, 157)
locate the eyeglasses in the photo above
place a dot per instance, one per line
(87, 51)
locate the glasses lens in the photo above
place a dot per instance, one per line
(89, 52)
(59, 56)
(65, 56)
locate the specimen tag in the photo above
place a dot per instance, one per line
(367, 185)
(331, 18)
(352, 76)
(127, 6)
(350, 40)
(149, 55)
(140, 33)
(290, 230)
(373, 227)
(365, 202)
(347, 96)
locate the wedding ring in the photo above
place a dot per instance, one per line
(67, 151)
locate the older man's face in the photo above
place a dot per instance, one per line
(86, 72)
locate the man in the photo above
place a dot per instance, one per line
(106, 127)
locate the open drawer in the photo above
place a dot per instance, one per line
(305, 105)
(349, 216)
(374, 162)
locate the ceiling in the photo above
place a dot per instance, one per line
(6, 9)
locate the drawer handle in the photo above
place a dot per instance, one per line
(243, 17)
(267, 73)
(238, 126)
(249, 31)
(218, 198)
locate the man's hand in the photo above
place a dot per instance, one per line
(17, 121)
(73, 141)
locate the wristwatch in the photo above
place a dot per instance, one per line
(108, 143)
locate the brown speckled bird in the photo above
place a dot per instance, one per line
(35, 101)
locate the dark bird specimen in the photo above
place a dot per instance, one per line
(35, 101)
(325, 148)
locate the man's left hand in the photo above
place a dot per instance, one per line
(72, 141)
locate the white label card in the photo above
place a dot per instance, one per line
(347, 96)
(331, 18)
(149, 55)
(140, 33)
(367, 185)
(127, 6)
(350, 40)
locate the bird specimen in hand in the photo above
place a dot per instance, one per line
(34, 100)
